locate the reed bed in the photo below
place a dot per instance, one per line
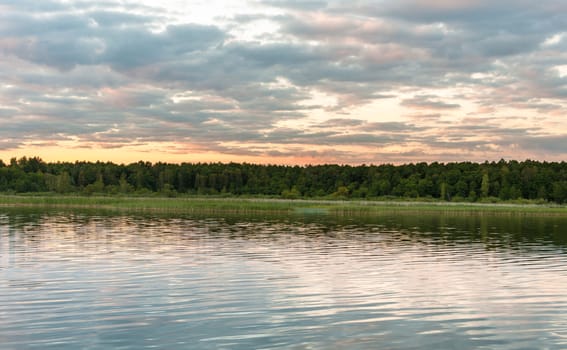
(249, 205)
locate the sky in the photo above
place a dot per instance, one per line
(283, 81)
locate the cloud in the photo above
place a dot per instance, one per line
(433, 80)
(547, 144)
(66, 40)
(428, 102)
(304, 5)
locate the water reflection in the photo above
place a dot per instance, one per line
(88, 280)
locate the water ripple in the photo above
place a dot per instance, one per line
(97, 282)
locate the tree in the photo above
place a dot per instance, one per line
(123, 184)
(201, 183)
(292, 193)
(560, 192)
(425, 187)
(485, 185)
(452, 181)
(64, 183)
(444, 193)
(341, 192)
(95, 187)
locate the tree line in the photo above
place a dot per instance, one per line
(459, 181)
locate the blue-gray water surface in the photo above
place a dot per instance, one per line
(81, 280)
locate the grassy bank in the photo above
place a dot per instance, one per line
(251, 205)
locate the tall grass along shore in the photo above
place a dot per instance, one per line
(284, 206)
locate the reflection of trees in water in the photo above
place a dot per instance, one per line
(88, 227)
(492, 230)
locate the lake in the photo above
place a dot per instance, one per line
(96, 280)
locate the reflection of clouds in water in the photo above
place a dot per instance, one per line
(316, 280)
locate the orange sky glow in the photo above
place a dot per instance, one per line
(284, 82)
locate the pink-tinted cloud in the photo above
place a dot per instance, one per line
(325, 81)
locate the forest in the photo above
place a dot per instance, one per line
(458, 181)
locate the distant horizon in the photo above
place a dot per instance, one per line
(284, 81)
(7, 161)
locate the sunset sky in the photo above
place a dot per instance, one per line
(283, 81)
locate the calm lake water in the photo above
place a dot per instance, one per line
(78, 280)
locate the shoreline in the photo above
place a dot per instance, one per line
(274, 205)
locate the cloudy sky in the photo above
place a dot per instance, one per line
(283, 81)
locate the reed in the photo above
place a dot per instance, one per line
(243, 205)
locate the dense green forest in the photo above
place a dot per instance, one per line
(464, 181)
